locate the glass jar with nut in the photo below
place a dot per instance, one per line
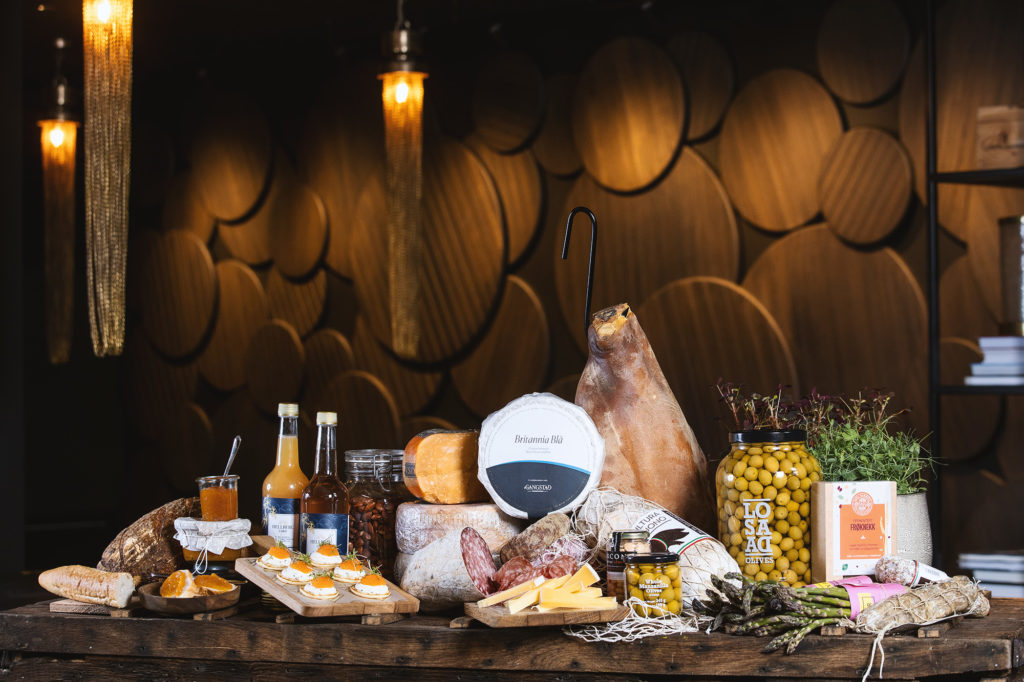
(375, 496)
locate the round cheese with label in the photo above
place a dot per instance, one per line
(539, 454)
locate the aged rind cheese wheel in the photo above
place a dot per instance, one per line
(539, 454)
(440, 467)
(417, 524)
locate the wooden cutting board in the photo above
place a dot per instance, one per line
(774, 140)
(978, 63)
(155, 384)
(274, 364)
(962, 312)
(328, 354)
(347, 604)
(178, 292)
(865, 185)
(852, 319)
(681, 227)
(242, 310)
(968, 421)
(862, 48)
(517, 179)
(628, 114)
(710, 79)
(508, 102)
(461, 269)
(553, 146)
(299, 302)
(513, 356)
(230, 154)
(499, 617)
(703, 328)
(412, 388)
(183, 210)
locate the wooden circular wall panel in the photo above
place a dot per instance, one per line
(565, 388)
(508, 102)
(517, 178)
(683, 226)
(628, 114)
(328, 354)
(242, 310)
(461, 269)
(178, 290)
(413, 426)
(968, 421)
(986, 206)
(274, 363)
(186, 447)
(853, 319)
(704, 328)
(155, 386)
(299, 303)
(512, 358)
(367, 416)
(412, 389)
(862, 48)
(182, 209)
(709, 76)
(978, 63)
(865, 185)
(959, 297)
(238, 415)
(774, 140)
(231, 155)
(553, 146)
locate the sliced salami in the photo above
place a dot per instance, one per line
(518, 570)
(567, 545)
(477, 558)
(562, 565)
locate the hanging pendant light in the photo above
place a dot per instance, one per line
(57, 139)
(402, 95)
(107, 37)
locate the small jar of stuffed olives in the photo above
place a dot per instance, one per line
(654, 579)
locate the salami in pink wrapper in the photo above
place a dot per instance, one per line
(863, 596)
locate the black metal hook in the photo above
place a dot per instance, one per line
(593, 256)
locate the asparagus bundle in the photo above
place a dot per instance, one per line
(768, 608)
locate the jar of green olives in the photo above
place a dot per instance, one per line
(654, 579)
(764, 504)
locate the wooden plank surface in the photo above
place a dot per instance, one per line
(862, 48)
(499, 617)
(984, 644)
(347, 604)
(628, 114)
(774, 140)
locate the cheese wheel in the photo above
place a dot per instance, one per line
(417, 524)
(402, 560)
(450, 571)
(441, 467)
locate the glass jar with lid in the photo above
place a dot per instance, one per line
(764, 504)
(375, 493)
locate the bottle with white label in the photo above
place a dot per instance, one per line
(283, 486)
(324, 505)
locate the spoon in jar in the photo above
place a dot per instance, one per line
(234, 451)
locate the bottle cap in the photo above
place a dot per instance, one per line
(287, 410)
(326, 418)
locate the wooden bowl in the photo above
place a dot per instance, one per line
(151, 599)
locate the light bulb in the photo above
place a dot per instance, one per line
(56, 137)
(401, 92)
(103, 11)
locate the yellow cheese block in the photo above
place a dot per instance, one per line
(584, 577)
(532, 597)
(574, 601)
(441, 467)
(511, 592)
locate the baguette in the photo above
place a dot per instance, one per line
(89, 585)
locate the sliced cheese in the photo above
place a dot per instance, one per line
(441, 467)
(584, 577)
(417, 524)
(540, 454)
(511, 592)
(524, 601)
(575, 600)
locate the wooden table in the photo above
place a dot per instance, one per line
(39, 645)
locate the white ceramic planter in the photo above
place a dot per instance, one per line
(913, 528)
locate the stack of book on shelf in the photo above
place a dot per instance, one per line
(1000, 572)
(1003, 363)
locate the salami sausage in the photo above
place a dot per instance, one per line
(562, 565)
(477, 558)
(532, 542)
(517, 570)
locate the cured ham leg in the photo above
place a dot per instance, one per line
(650, 449)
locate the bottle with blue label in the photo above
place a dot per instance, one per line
(324, 506)
(283, 486)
